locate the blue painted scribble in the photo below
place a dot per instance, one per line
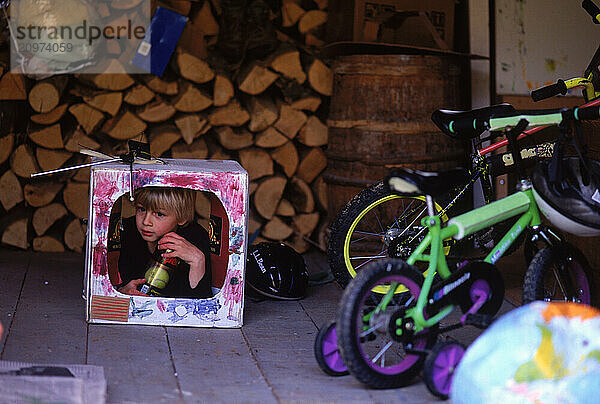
(205, 309)
(235, 258)
(143, 178)
(142, 311)
(237, 238)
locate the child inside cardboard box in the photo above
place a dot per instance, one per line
(164, 220)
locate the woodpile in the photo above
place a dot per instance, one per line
(266, 112)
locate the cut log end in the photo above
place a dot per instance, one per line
(267, 196)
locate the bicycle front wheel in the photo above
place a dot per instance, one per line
(374, 225)
(558, 273)
(367, 333)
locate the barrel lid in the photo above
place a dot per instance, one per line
(345, 48)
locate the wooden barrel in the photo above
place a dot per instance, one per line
(380, 117)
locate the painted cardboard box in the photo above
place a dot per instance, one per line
(226, 182)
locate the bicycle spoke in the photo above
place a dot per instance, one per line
(369, 257)
(379, 221)
(406, 208)
(559, 283)
(369, 260)
(370, 330)
(423, 229)
(382, 352)
(370, 222)
(367, 233)
(376, 236)
(408, 226)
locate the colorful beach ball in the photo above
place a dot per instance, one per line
(541, 353)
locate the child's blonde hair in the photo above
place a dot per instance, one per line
(177, 201)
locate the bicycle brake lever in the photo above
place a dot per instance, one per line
(511, 136)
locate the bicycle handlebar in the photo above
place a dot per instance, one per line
(549, 91)
(592, 10)
(563, 86)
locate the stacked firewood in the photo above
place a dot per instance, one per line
(266, 112)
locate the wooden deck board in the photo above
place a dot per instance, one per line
(49, 325)
(13, 268)
(137, 363)
(215, 365)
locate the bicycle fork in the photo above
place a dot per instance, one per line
(436, 263)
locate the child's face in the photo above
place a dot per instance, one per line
(152, 225)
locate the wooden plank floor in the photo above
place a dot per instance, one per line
(269, 360)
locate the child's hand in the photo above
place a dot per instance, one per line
(187, 252)
(132, 287)
(182, 249)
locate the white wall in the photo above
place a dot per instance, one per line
(540, 41)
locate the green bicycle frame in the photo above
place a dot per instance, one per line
(530, 218)
(520, 203)
(534, 120)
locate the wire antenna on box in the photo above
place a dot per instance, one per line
(139, 153)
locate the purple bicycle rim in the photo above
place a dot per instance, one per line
(444, 366)
(331, 352)
(409, 360)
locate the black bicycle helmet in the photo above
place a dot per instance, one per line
(569, 194)
(276, 270)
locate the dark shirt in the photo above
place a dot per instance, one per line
(134, 259)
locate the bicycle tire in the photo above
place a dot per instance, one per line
(386, 368)
(530, 249)
(370, 209)
(327, 352)
(544, 280)
(439, 367)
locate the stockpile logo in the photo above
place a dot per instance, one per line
(79, 36)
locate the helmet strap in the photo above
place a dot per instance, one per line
(554, 166)
(578, 143)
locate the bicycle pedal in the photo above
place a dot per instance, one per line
(479, 320)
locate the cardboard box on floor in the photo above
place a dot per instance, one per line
(393, 21)
(227, 184)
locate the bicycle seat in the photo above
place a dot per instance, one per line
(407, 182)
(468, 128)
